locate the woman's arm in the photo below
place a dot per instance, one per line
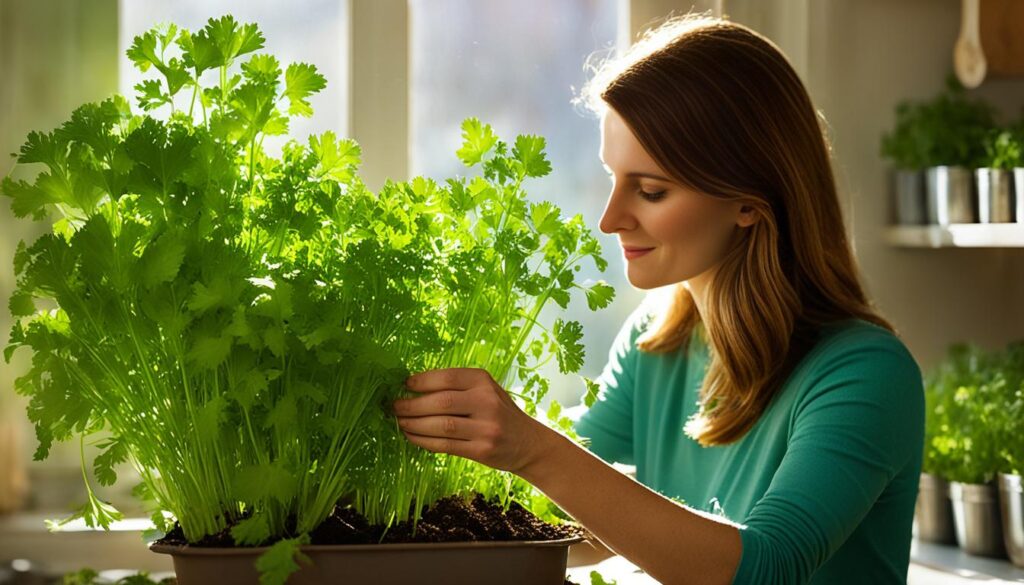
(588, 552)
(464, 412)
(669, 541)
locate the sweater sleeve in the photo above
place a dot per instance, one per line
(857, 424)
(608, 424)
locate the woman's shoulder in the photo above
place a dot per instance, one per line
(857, 352)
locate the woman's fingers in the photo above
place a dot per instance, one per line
(452, 427)
(453, 402)
(448, 379)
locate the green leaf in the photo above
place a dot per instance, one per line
(209, 352)
(162, 259)
(545, 217)
(252, 531)
(477, 140)
(263, 482)
(262, 68)
(336, 159)
(150, 94)
(599, 295)
(529, 151)
(301, 80)
(593, 388)
(220, 41)
(283, 416)
(597, 579)
(568, 349)
(21, 304)
(115, 452)
(95, 513)
(281, 560)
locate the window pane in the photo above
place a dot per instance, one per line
(517, 65)
(310, 31)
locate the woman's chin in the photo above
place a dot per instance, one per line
(643, 280)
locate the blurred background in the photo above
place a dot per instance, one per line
(403, 74)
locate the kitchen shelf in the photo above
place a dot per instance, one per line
(957, 235)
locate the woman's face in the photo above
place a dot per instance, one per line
(669, 233)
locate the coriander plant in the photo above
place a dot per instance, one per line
(233, 323)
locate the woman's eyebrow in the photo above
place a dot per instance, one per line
(636, 174)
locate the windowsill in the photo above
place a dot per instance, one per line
(951, 559)
(24, 536)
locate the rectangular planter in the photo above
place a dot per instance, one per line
(447, 563)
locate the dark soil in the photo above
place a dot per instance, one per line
(450, 519)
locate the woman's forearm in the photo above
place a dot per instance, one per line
(671, 542)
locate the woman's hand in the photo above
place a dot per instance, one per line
(465, 412)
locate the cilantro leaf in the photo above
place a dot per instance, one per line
(477, 140)
(301, 80)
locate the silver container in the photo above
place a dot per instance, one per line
(995, 201)
(908, 197)
(949, 194)
(934, 511)
(976, 516)
(1011, 500)
(1018, 194)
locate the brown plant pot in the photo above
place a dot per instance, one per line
(538, 562)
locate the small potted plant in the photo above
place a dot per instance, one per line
(995, 178)
(1011, 425)
(933, 510)
(1017, 130)
(944, 136)
(972, 442)
(235, 324)
(901, 146)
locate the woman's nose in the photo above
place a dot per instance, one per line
(616, 215)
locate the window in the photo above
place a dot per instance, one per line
(517, 66)
(316, 34)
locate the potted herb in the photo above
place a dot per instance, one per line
(933, 510)
(1017, 132)
(995, 177)
(944, 136)
(900, 146)
(1010, 378)
(970, 444)
(234, 323)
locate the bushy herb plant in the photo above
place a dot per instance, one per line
(234, 323)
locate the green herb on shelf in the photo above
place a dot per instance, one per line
(949, 129)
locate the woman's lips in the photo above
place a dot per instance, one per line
(631, 253)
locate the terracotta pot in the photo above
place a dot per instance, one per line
(448, 563)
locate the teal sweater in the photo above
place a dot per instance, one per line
(823, 484)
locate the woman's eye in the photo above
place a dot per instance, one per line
(651, 196)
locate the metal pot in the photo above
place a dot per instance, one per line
(908, 197)
(949, 194)
(995, 201)
(1011, 500)
(934, 511)
(976, 516)
(1018, 194)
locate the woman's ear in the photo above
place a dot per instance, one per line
(746, 216)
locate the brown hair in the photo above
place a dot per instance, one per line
(721, 110)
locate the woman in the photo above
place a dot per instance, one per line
(767, 395)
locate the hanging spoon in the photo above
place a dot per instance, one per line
(968, 57)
